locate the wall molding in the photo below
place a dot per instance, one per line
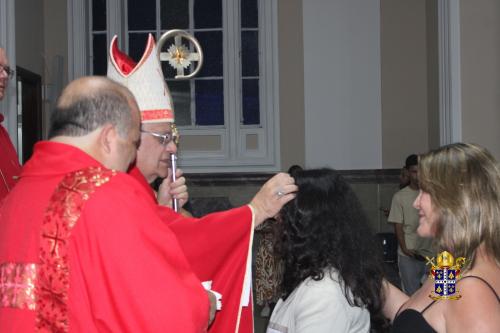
(373, 176)
(450, 85)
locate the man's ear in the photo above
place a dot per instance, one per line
(107, 138)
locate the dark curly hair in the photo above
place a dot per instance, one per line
(325, 227)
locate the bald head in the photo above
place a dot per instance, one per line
(89, 103)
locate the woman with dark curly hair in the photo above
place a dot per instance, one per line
(333, 267)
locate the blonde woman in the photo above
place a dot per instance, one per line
(459, 206)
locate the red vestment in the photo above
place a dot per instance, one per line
(217, 246)
(9, 163)
(124, 275)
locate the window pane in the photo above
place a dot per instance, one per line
(211, 43)
(250, 53)
(137, 44)
(207, 14)
(181, 95)
(209, 102)
(100, 52)
(98, 15)
(249, 14)
(141, 14)
(174, 14)
(250, 102)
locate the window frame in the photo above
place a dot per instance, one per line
(233, 155)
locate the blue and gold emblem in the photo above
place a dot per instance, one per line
(446, 274)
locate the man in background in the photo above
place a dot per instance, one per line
(9, 162)
(412, 248)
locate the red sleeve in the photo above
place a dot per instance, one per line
(128, 272)
(218, 246)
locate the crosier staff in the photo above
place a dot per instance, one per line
(180, 58)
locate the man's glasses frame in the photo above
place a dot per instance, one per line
(164, 139)
(10, 72)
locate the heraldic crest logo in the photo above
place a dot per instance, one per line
(445, 275)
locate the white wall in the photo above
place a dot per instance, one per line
(30, 36)
(291, 83)
(342, 83)
(480, 65)
(404, 80)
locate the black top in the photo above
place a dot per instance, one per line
(410, 320)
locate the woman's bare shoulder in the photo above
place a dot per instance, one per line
(478, 309)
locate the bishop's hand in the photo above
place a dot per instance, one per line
(169, 190)
(273, 195)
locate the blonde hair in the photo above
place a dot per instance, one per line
(463, 181)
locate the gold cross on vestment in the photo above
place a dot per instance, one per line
(54, 240)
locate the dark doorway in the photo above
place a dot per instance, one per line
(29, 111)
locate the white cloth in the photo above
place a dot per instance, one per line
(218, 296)
(318, 307)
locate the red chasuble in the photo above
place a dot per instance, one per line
(79, 257)
(9, 163)
(218, 247)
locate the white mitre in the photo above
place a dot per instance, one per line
(145, 80)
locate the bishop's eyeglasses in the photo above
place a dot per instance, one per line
(164, 139)
(10, 72)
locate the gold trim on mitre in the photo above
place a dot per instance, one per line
(144, 79)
